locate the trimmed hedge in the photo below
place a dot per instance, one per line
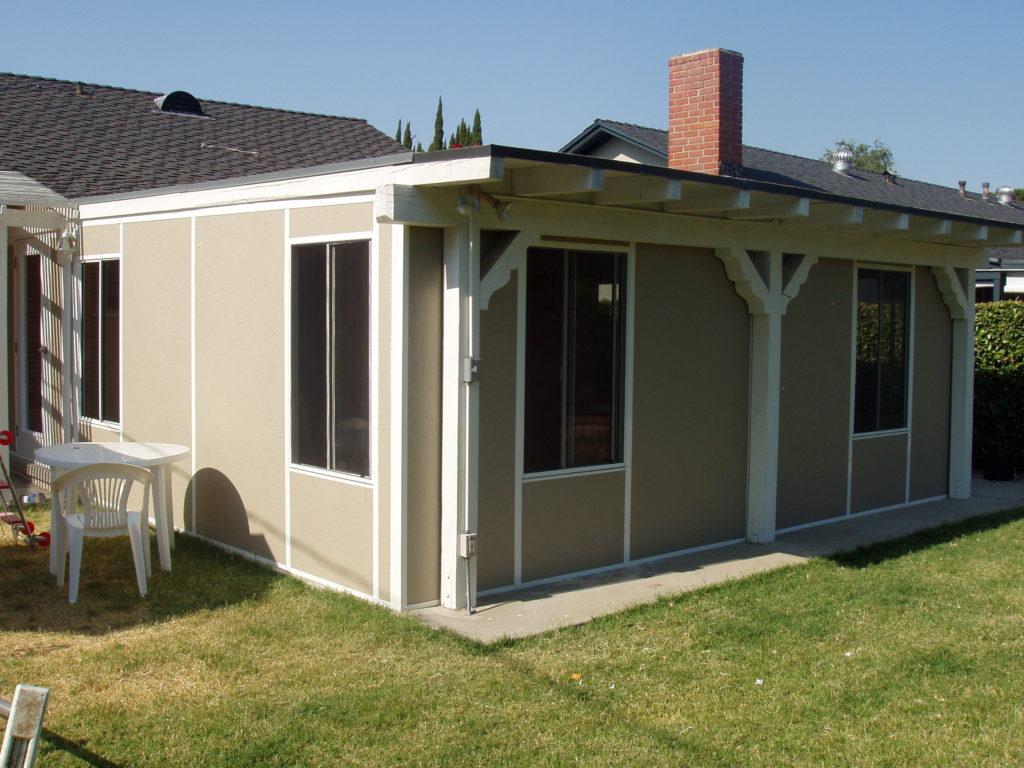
(999, 383)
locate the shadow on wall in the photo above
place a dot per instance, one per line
(214, 509)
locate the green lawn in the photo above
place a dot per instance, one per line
(910, 654)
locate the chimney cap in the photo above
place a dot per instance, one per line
(703, 51)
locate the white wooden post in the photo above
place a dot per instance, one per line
(956, 293)
(767, 292)
(5, 354)
(460, 411)
(66, 260)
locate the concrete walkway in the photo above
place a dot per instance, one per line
(565, 603)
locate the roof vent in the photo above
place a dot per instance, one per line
(181, 103)
(842, 160)
(963, 188)
(984, 190)
(1005, 195)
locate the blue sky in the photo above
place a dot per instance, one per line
(937, 81)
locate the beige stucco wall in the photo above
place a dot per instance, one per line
(692, 352)
(238, 490)
(933, 349)
(97, 433)
(814, 404)
(156, 340)
(423, 447)
(572, 523)
(101, 239)
(496, 520)
(331, 220)
(879, 472)
(332, 530)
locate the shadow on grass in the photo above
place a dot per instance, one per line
(204, 577)
(57, 743)
(872, 554)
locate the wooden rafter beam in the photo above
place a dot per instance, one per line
(1004, 236)
(633, 190)
(885, 221)
(402, 204)
(769, 206)
(837, 215)
(710, 199)
(556, 180)
(16, 217)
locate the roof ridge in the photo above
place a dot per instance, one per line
(157, 94)
(790, 154)
(632, 125)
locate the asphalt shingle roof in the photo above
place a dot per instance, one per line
(82, 140)
(816, 175)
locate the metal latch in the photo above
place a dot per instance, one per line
(471, 369)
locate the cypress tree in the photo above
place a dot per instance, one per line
(398, 131)
(407, 141)
(419, 146)
(477, 137)
(438, 142)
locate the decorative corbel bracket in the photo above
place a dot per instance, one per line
(510, 255)
(767, 281)
(953, 293)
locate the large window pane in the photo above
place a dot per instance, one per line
(91, 339)
(331, 356)
(33, 342)
(593, 360)
(111, 346)
(545, 340)
(351, 367)
(574, 359)
(101, 340)
(310, 380)
(881, 381)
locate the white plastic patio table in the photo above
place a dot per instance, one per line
(156, 457)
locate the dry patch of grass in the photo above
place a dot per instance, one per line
(906, 655)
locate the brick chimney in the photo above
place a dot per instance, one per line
(705, 112)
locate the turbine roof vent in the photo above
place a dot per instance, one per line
(842, 160)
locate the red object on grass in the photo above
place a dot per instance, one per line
(6, 438)
(43, 539)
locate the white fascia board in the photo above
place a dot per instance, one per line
(442, 173)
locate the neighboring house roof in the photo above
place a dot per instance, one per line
(816, 175)
(1006, 258)
(82, 140)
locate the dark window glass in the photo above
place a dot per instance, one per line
(101, 340)
(34, 341)
(883, 300)
(111, 346)
(331, 356)
(574, 359)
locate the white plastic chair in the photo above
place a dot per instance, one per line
(104, 491)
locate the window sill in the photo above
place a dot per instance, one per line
(333, 475)
(113, 426)
(598, 469)
(881, 433)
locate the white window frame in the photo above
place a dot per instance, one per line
(80, 341)
(350, 478)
